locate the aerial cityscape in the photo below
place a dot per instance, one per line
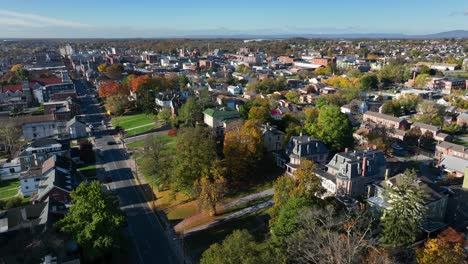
(255, 132)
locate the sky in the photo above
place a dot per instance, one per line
(179, 18)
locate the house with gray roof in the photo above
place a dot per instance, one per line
(273, 139)
(435, 200)
(76, 128)
(302, 147)
(355, 170)
(35, 153)
(454, 165)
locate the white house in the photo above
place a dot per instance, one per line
(9, 170)
(234, 89)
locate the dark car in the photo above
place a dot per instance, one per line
(108, 178)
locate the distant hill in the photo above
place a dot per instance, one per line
(449, 34)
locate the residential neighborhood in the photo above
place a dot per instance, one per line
(301, 149)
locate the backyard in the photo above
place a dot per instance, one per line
(134, 124)
(9, 188)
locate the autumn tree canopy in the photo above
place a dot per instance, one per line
(108, 88)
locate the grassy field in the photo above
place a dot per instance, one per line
(9, 188)
(171, 142)
(256, 223)
(134, 124)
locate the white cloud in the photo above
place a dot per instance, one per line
(10, 18)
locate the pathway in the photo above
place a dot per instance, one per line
(139, 126)
(225, 207)
(228, 217)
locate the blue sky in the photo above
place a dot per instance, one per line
(156, 18)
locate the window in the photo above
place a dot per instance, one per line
(12, 170)
(26, 180)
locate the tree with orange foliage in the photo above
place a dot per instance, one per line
(447, 248)
(108, 88)
(137, 82)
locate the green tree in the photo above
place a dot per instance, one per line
(260, 114)
(292, 96)
(421, 80)
(307, 183)
(287, 221)
(431, 113)
(283, 186)
(94, 219)
(190, 113)
(333, 127)
(114, 71)
(393, 73)
(146, 98)
(238, 247)
(156, 162)
(117, 104)
(324, 70)
(195, 151)
(165, 115)
(242, 68)
(183, 81)
(402, 218)
(369, 82)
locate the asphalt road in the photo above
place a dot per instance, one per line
(150, 244)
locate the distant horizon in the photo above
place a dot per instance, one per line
(185, 18)
(356, 35)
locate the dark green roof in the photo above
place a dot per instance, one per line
(220, 113)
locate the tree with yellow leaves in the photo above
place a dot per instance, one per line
(243, 148)
(447, 248)
(211, 188)
(102, 67)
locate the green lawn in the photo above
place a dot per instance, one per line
(88, 171)
(171, 142)
(129, 122)
(9, 188)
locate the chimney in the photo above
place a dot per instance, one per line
(387, 172)
(374, 147)
(364, 166)
(346, 150)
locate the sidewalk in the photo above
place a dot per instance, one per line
(177, 243)
(241, 201)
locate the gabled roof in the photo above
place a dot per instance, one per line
(426, 126)
(454, 164)
(47, 81)
(55, 178)
(383, 116)
(54, 162)
(220, 113)
(12, 87)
